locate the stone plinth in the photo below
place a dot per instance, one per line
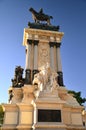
(25, 117)
(11, 116)
(17, 95)
(18, 116)
(70, 111)
(28, 95)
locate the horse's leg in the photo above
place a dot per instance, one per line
(48, 21)
(36, 21)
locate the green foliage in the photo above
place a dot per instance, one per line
(1, 114)
(78, 97)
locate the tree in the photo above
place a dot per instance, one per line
(1, 114)
(78, 97)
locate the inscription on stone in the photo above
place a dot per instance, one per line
(49, 115)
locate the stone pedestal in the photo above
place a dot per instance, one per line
(28, 95)
(11, 116)
(17, 95)
(26, 108)
(25, 117)
(64, 105)
(45, 111)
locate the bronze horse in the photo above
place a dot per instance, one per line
(40, 16)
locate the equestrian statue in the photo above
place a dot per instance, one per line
(40, 16)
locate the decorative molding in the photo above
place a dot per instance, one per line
(41, 34)
(43, 26)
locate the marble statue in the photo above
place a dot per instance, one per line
(45, 80)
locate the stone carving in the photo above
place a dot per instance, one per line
(18, 80)
(40, 16)
(17, 95)
(45, 80)
(43, 54)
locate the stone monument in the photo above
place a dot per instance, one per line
(40, 101)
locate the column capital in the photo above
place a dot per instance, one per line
(52, 44)
(35, 42)
(29, 41)
(57, 44)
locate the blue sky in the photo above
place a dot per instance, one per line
(69, 14)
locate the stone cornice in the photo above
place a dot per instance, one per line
(38, 34)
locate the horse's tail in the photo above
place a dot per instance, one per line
(51, 17)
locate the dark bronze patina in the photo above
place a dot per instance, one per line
(42, 21)
(40, 16)
(18, 80)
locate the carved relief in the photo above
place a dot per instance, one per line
(43, 54)
(44, 37)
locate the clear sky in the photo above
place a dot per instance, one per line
(69, 14)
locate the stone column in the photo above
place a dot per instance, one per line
(52, 54)
(35, 64)
(59, 66)
(28, 62)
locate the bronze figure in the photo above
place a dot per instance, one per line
(40, 16)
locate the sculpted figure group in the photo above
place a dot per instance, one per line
(45, 80)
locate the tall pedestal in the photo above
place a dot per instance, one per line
(62, 112)
(48, 112)
(25, 117)
(19, 114)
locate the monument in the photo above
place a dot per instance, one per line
(40, 101)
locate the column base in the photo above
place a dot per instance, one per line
(28, 76)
